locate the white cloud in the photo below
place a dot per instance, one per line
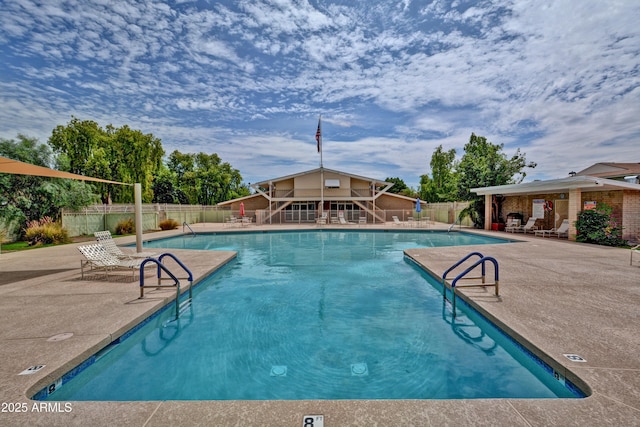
(558, 80)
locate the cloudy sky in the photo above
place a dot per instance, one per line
(247, 79)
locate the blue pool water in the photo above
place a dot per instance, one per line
(315, 315)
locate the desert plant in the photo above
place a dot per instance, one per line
(168, 224)
(126, 226)
(45, 231)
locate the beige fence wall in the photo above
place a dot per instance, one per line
(106, 217)
(78, 224)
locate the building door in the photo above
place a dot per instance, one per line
(300, 212)
(560, 211)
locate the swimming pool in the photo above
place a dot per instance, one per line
(315, 315)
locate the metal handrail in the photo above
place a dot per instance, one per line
(185, 223)
(176, 281)
(459, 221)
(444, 276)
(482, 261)
(184, 267)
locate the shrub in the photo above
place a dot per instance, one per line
(126, 226)
(45, 231)
(168, 224)
(599, 226)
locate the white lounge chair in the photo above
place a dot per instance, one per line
(512, 224)
(97, 257)
(396, 220)
(562, 231)
(106, 240)
(342, 220)
(323, 219)
(231, 222)
(529, 227)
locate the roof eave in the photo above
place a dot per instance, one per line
(555, 186)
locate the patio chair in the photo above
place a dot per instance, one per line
(396, 220)
(323, 219)
(231, 221)
(106, 240)
(342, 220)
(512, 224)
(562, 231)
(97, 257)
(529, 227)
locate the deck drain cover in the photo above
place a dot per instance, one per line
(60, 337)
(359, 369)
(575, 357)
(32, 370)
(278, 371)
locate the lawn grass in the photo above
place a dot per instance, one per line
(19, 246)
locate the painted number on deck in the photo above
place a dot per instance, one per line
(313, 421)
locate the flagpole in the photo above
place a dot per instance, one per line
(319, 141)
(320, 127)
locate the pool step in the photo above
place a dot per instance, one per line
(184, 305)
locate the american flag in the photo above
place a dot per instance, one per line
(318, 135)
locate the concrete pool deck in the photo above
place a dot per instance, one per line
(562, 297)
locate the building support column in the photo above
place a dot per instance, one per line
(487, 211)
(137, 198)
(575, 207)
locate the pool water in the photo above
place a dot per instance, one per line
(316, 315)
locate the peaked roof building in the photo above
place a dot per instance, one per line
(306, 196)
(613, 184)
(629, 172)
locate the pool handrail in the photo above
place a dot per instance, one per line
(469, 255)
(180, 263)
(482, 261)
(185, 223)
(176, 281)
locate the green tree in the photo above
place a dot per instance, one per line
(116, 154)
(442, 186)
(27, 198)
(485, 165)
(204, 178)
(165, 189)
(136, 158)
(398, 185)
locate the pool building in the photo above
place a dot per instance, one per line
(303, 197)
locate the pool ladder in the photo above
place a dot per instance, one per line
(186, 224)
(180, 307)
(482, 262)
(457, 221)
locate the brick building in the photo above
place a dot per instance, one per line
(614, 184)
